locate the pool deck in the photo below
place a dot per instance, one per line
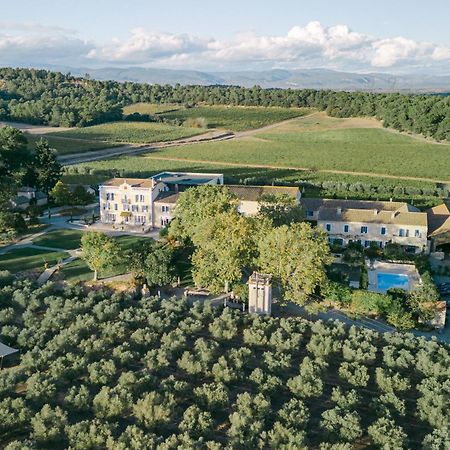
(397, 269)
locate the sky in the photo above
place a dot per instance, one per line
(395, 36)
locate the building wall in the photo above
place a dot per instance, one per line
(374, 233)
(248, 208)
(162, 213)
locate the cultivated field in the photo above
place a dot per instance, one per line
(150, 108)
(66, 146)
(238, 118)
(333, 144)
(132, 132)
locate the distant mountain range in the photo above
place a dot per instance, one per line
(276, 78)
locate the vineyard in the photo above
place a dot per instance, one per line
(103, 370)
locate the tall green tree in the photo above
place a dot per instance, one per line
(14, 153)
(296, 257)
(197, 204)
(99, 251)
(45, 166)
(151, 262)
(224, 247)
(280, 209)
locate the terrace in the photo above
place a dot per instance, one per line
(384, 276)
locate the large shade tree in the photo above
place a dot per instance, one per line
(99, 251)
(224, 247)
(296, 256)
(197, 204)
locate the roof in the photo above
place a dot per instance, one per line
(5, 350)
(167, 198)
(254, 193)
(26, 189)
(186, 178)
(135, 182)
(439, 219)
(20, 200)
(373, 216)
(316, 203)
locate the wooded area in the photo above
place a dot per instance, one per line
(39, 96)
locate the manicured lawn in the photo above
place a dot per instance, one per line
(237, 118)
(65, 146)
(21, 259)
(132, 132)
(78, 270)
(67, 239)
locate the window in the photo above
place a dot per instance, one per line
(366, 244)
(116, 206)
(144, 208)
(107, 196)
(165, 209)
(328, 226)
(417, 233)
(383, 231)
(134, 208)
(401, 232)
(136, 198)
(346, 228)
(364, 229)
(112, 195)
(309, 213)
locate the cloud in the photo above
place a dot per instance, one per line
(144, 46)
(310, 46)
(32, 44)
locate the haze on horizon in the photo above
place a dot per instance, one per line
(399, 37)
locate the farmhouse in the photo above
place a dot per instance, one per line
(27, 196)
(149, 203)
(370, 222)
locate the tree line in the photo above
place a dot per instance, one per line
(40, 96)
(104, 370)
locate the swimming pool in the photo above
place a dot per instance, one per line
(387, 281)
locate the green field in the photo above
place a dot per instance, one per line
(150, 108)
(65, 146)
(67, 239)
(21, 259)
(238, 118)
(132, 132)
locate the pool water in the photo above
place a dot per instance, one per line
(392, 280)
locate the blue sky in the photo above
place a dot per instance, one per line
(395, 35)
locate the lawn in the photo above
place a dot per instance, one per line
(237, 118)
(132, 132)
(78, 270)
(66, 146)
(21, 259)
(67, 239)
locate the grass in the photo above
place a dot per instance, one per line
(22, 259)
(132, 132)
(66, 146)
(78, 270)
(66, 239)
(237, 118)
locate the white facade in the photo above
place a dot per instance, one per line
(260, 294)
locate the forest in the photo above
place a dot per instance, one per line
(110, 370)
(44, 97)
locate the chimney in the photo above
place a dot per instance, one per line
(339, 210)
(375, 212)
